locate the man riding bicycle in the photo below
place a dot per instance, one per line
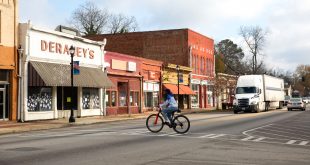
(168, 107)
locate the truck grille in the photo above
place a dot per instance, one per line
(243, 102)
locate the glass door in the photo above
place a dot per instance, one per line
(3, 114)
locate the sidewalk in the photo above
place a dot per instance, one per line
(8, 127)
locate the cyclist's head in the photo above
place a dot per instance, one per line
(168, 92)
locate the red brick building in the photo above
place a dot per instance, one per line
(179, 46)
(152, 73)
(125, 73)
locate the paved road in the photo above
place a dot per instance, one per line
(274, 137)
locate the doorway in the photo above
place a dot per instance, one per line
(4, 114)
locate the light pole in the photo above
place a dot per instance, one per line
(178, 71)
(71, 119)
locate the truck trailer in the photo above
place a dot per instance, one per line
(256, 93)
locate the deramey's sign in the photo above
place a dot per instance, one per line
(55, 47)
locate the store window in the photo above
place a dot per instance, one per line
(113, 98)
(108, 98)
(122, 91)
(4, 75)
(39, 99)
(134, 98)
(195, 98)
(90, 98)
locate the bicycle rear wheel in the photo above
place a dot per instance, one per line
(182, 124)
(153, 125)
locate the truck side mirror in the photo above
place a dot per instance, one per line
(260, 91)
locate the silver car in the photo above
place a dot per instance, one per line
(296, 103)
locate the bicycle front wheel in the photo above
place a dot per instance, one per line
(182, 124)
(154, 123)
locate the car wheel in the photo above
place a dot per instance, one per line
(289, 109)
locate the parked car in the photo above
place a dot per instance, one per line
(296, 103)
(286, 99)
(306, 100)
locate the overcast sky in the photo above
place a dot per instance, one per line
(287, 21)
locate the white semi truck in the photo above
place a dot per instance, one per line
(257, 93)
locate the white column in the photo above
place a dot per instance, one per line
(54, 102)
(79, 101)
(25, 91)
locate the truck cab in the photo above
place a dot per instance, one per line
(256, 93)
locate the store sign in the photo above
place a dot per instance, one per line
(195, 81)
(151, 86)
(56, 47)
(156, 87)
(152, 75)
(131, 66)
(204, 82)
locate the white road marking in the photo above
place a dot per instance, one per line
(205, 136)
(246, 132)
(303, 143)
(216, 136)
(259, 139)
(291, 142)
(247, 138)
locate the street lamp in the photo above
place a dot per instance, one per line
(71, 50)
(178, 71)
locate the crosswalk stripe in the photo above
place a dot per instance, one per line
(204, 136)
(291, 142)
(259, 139)
(303, 143)
(247, 138)
(216, 136)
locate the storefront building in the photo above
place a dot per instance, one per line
(183, 47)
(46, 71)
(8, 60)
(181, 90)
(124, 97)
(152, 73)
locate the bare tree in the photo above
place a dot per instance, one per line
(122, 24)
(254, 38)
(89, 19)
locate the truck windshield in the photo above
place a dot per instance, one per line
(242, 90)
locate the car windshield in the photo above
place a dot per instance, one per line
(295, 99)
(242, 90)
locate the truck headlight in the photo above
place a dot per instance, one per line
(235, 102)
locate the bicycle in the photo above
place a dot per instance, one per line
(180, 123)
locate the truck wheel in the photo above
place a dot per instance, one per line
(235, 112)
(266, 106)
(280, 105)
(257, 110)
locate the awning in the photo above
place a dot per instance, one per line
(54, 74)
(187, 90)
(173, 88)
(184, 90)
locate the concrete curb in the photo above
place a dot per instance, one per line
(13, 128)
